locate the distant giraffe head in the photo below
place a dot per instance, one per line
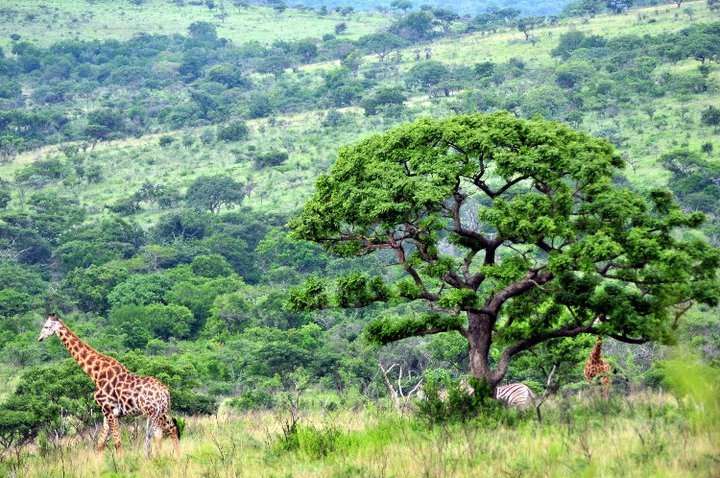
(51, 327)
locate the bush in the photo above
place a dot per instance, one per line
(254, 398)
(192, 403)
(211, 266)
(235, 131)
(318, 444)
(165, 140)
(271, 158)
(453, 403)
(42, 394)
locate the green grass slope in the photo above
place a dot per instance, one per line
(127, 163)
(46, 22)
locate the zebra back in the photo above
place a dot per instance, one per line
(515, 394)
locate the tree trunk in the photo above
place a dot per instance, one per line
(479, 339)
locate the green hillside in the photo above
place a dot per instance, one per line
(45, 23)
(159, 191)
(641, 145)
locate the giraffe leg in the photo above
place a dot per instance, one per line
(166, 425)
(115, 429)
(159, 433)
(148, 435)
(605, 386)
(102, 439)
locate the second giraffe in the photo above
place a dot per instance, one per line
(597, 366)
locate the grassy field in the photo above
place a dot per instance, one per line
(642, 436)
(126, 164)
(44, 23)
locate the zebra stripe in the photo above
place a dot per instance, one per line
(515, 394)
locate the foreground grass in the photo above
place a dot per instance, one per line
(643, 436)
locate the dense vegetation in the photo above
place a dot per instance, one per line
(147, 181)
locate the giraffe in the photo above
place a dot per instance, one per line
(597, 366)
(117, 391)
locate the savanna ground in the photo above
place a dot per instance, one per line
(644, 434)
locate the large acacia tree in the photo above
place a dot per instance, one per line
(510, 232)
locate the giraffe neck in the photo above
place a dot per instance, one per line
(596, 355)
(88, 358)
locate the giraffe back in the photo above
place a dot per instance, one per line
(128, 394)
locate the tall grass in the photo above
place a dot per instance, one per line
(645, 435)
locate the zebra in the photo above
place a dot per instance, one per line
(516, 395)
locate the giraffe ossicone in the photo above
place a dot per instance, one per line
(118, 392)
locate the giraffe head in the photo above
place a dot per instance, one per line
(51, 327)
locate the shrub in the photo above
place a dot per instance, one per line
(166, 140)
(318, 444)
(235, 131)
(192, 403)
(271, 158)
(254, 398)
(453, 403)
(211, 266)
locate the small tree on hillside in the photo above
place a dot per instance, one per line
(445, 18)
(427, 75)
(711, 117)
(403, 5)
(234, 131)
(416, 26)
(382, 44)
(507, 231)
(210, 193)
(527, 24)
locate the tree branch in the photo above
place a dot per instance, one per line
(402, 260)
(438, 330)
(680, 311)
(532, 279)
(493, 194)
(628, 340)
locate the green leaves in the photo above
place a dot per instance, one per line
(459, 297)
(385, 330)
(310, 296)
(350, 291)
(410, 173)
(356, 290)
(524, 218)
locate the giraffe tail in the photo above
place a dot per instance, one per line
(177, 427)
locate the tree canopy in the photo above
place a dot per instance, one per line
(508, 231)
(212, 192)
